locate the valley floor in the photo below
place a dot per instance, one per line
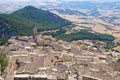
(93, 23)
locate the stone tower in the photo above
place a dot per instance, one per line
(34, 30)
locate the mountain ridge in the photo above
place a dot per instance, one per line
(39, 15)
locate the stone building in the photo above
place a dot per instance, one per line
(34, 29)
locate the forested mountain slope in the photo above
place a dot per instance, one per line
(20, 22)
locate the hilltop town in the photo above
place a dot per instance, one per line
(41, 57)
(69, 40)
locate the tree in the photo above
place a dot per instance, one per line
(3, 61)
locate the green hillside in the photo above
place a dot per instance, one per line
(20, 22)
(46, 19)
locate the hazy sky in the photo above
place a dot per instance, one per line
(43, 2)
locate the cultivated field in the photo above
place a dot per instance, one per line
(109, 26)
